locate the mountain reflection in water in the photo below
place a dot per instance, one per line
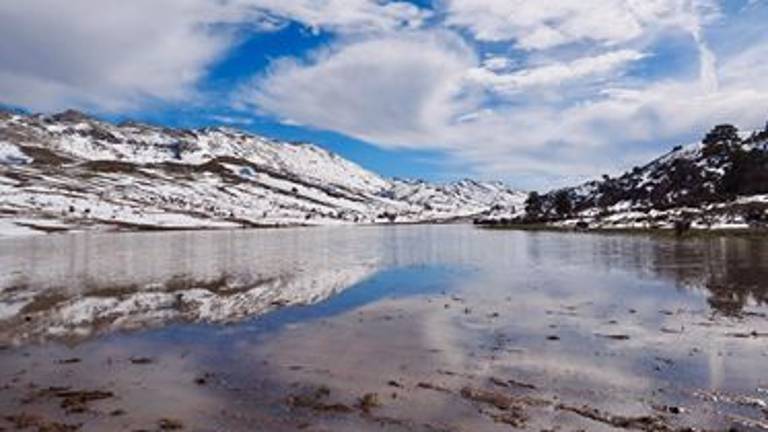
(76, 286)
(396, 328)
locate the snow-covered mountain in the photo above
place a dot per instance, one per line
(69, 170)
(721, 181)
(464, 197)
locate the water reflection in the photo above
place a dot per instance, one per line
(76, 286)
(626, 324)
(732, 272)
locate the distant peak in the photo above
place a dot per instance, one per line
(70, 115)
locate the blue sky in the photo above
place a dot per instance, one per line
(536, 93)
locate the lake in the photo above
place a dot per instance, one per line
(391, 328)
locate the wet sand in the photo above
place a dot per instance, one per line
(392, 329)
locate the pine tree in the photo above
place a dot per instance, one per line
(533, 204)
(563, 205)
(721, 140)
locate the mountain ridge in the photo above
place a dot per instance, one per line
(70, 171)
(720, 182)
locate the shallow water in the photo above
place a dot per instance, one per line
(450, 327)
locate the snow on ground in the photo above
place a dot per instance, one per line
(11, 155)
(88, 174)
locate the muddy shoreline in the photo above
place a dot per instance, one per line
(290, 382)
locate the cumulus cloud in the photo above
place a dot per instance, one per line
(397, 90)
(112, 56)
(564, 109)
(91, 53)
(417, 92)
(420, 91)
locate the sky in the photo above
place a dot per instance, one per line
(538, 93)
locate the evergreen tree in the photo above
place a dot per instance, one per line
(747, 174)
(563, 205)
(533, 205)
(721, 140)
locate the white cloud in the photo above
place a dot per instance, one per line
(413, 94)
(545, 24)
(346, 16)
(92, 53)
(554, 74)
(497, 63)
(420, 91)
(397, 90)
(112, 55)
(565, 109)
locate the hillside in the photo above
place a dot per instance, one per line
(70, 171)
(721, 182)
